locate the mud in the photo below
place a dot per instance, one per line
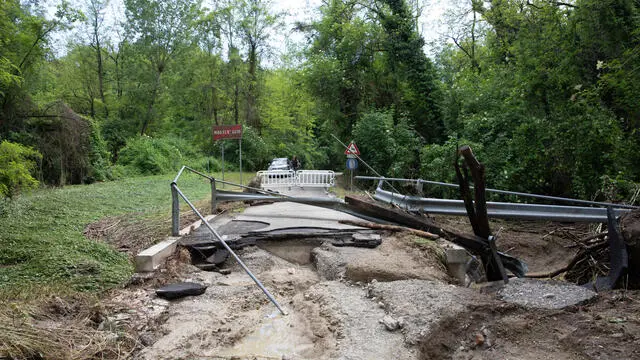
(395, 259)
(392, 302)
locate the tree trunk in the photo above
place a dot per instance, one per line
(154, 94)
(251, 116)
(235, 104)
(100, 73)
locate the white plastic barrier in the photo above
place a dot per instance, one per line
(301, 178)
(315, 178)
(277, 178)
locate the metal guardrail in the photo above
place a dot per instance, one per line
(419, 183)
(300, 178)
(499, 210)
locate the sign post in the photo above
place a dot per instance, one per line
(352, 153)
(223, 132)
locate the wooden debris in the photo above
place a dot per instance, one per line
(370, 225)
(477, 210)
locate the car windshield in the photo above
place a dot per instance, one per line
(279, 161)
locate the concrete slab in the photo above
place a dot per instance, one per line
(290, 215)
(149, 259)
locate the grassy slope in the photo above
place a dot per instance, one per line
(41, 241)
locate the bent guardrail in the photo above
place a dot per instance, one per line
(499, 210)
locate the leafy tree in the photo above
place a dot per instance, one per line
(408, 61)
(256, 25)
(162, 29)
(17, 163)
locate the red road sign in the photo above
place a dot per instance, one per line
(352, 149)
(227, 132)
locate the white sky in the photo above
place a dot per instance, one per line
(431, 24)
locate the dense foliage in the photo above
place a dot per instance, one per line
(544, 91)
(16, 164)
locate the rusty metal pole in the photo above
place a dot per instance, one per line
(214, 196)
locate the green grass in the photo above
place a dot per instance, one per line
(41, 240)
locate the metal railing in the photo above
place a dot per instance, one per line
(315, 178)
(176, 194)
(300, 178)
(276, 178)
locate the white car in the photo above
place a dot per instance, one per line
(280, 164)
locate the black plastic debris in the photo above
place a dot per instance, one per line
(180, 290)
(617, 254)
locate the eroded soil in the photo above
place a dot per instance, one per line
(393, 302)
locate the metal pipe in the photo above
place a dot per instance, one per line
(184, 167)
(198, 172)
(179, 173)
(238, 196)
(214, 195)
(219, 238)
(505, 192)
(261, 191)
(175, 211)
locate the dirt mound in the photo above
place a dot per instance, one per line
(421, 304)
(397, 258)
(606, 329)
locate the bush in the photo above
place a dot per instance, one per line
(98, 155)
(436, 164)
(255, 152)
(149, 156)
(16, 164)
(373, 135)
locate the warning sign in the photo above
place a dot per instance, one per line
(352, 149)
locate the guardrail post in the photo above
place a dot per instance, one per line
(214, 196)
(175, 211)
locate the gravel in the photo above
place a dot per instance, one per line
(421, 304)
(541, 294)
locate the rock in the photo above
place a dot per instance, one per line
(390, 323)
(179, 290)
(291, 271)
(224, 271)
(479, 339)
(548, 295)
(401, 322)
(487, 336)
(146, 339)
(381, 304)
(140, 278)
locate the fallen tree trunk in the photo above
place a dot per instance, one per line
(370, 225)
(471, 242)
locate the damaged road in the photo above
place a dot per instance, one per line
(394, 300)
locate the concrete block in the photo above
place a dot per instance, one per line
(149, 259)
(187, 230)
(190, 228)
(457, 258)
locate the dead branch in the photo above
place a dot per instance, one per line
(370, 225)
(576, 259)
